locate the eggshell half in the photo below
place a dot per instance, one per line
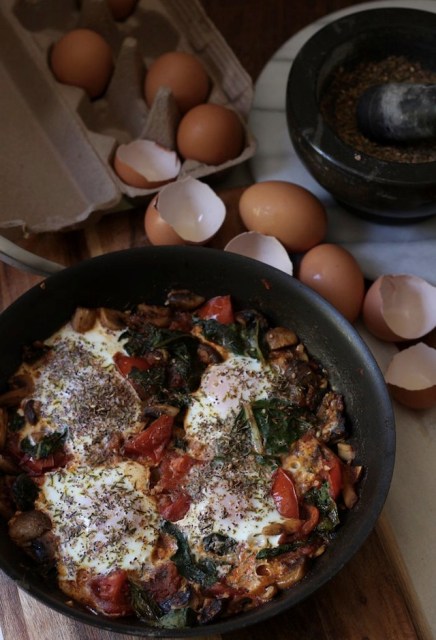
(263, 248)
(411, 376)
(144, 164)
(400, 307)
(192, 209)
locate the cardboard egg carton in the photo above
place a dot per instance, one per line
(58, 145)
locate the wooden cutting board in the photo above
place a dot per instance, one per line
(367, 600)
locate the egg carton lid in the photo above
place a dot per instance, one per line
(55, 167)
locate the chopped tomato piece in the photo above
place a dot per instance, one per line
(125, 364)
(284, 494)
(152, 442)
(173, 506)
(112, 593)
(219, 309)
(173, 469)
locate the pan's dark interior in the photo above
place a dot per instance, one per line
(124, 278)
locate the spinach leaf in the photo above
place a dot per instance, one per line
(226, 335)
(280, 422)
(253, 326)
(203, 572)
(185, 368)
(143, 603)
(150, 338)
(24, 492)
(47, 445)
(177, 619)
(150, 382)
(273, 552)
(321, 498)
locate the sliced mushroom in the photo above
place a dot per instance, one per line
(21, 387)
(83, 319)
(44, 549)
(112, 318)
(290, 525)
(26, 526)
(281, 337)
(293, 574)
(184, 299)
(350, 476)
(156, 315)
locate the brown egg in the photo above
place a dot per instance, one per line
(181, 72)
(210, 133)
(82, 58)
(287, 211)
(158, 231)
(121, 9)
(334, 273)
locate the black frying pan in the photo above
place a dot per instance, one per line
(127, 277)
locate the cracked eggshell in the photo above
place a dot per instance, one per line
(264, 248)
(411, 377)
(191, 209)
(400, 307)
(144, 164)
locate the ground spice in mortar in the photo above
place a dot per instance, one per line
(339, 102)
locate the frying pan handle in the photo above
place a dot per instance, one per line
(17, 257)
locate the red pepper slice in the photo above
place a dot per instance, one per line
(173, 469)
(284, 494)
(152, 442)
(125, 364)
(173, 506)
(219, 308)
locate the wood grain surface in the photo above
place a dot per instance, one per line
(369, 599)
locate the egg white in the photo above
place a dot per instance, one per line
(81, 392)
(102, 517)
(225, 387)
